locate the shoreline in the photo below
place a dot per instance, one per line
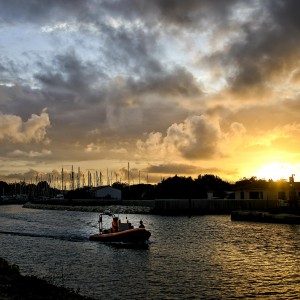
(124, 209)
(14, 285)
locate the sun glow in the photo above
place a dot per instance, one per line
(275, 171)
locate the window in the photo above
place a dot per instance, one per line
(256, 195)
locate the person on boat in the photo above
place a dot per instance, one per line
(141, 224)
(114, 225)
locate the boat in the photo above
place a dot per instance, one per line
(125, 233)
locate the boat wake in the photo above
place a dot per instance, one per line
(129, 245)
(71, 238)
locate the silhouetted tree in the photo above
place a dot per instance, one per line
(211, 183)
(251, 182)
(43, 189)
(175, 187)
(4, 188)
(80, 193)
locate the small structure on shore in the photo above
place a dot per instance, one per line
(287, 193)
(287, 211)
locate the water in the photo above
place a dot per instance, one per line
(202, 257)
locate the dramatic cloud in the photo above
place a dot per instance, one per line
(31, 153)
(13, 129)
(197, 138)
(196, 85)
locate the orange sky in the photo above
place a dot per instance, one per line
(173, 87)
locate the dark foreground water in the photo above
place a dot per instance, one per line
(203, 257)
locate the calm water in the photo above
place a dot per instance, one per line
(203, 257)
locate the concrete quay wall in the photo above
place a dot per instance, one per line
(163, 206)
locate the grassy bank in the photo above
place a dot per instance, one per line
(13, 285)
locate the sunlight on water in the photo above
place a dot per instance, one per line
(203, 257)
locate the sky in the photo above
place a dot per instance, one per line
(166, 87)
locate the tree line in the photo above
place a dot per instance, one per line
(176, 187)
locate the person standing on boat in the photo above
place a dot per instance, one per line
(114, 225)
(141, 224)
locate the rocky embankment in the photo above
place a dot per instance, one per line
(13, 285)
(132, 209)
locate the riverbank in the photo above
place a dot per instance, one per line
(132, 209)
(157, 206)
(13, 285)
(170, 207)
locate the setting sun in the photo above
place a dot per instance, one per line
(136, 95)
(276, 171)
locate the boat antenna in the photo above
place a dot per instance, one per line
(100, 223)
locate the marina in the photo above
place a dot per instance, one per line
(201, 257)
(149, 149)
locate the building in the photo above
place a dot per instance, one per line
(108, 192)
(283, 191)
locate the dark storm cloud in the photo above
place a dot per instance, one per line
(21, 100)
(131, 50)
(179, 169)
(10, 70)
(135, 49)
(264, 49)
(181, 83)
(286, 13)
(74, 86)
(112, 76)
(67, 72)
(267, 49)
(178, 82)
(172, 12)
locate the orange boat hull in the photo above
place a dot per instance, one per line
(130, 236)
